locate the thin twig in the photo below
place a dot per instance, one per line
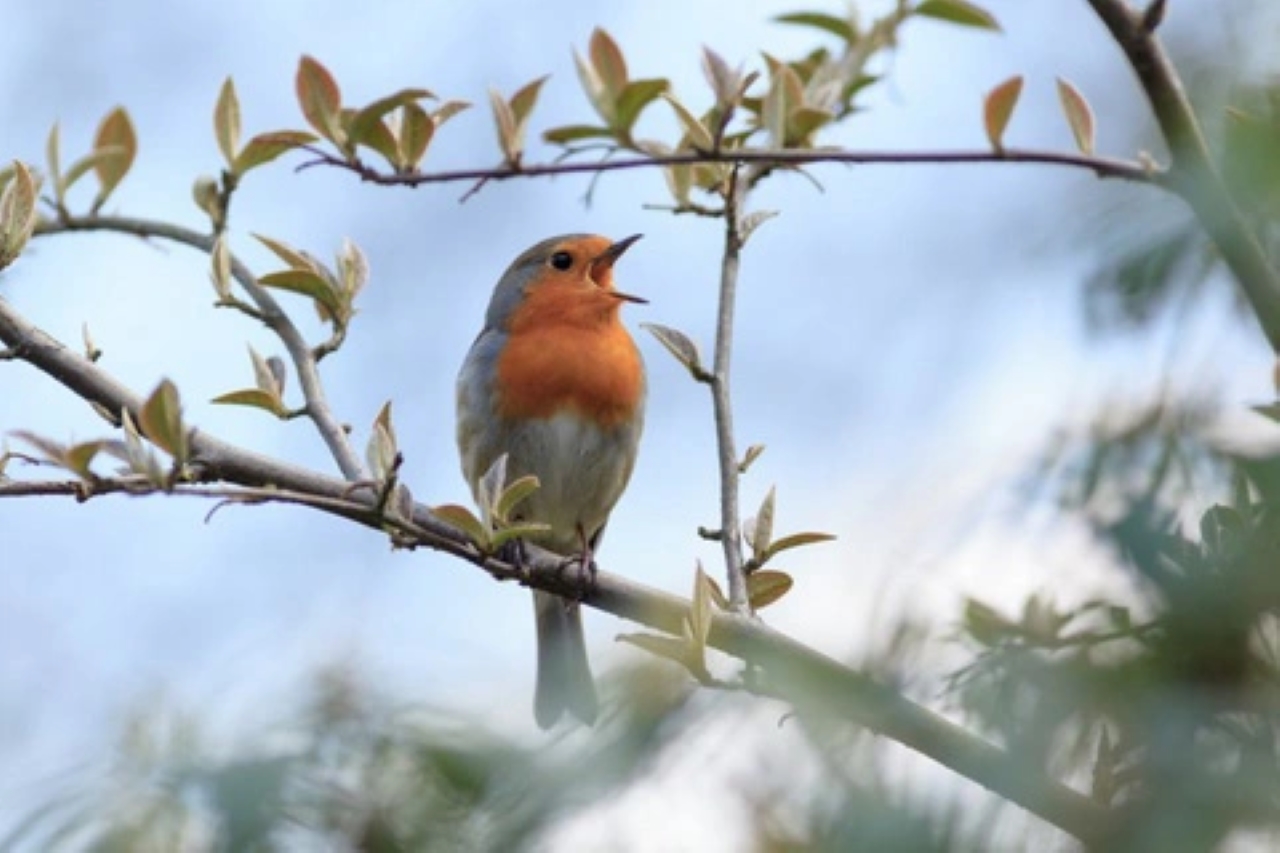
(1103, 167)
(304, 361)
(722, 398)
(1192, 173)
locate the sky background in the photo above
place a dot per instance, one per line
(908, 339)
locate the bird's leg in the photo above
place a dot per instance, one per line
(513, 552)
(585, 557)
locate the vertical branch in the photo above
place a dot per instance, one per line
(1193, 173)
(721, 398)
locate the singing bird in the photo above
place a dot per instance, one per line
(555, 381)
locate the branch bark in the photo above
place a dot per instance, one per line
(812, 680)
(722, 397)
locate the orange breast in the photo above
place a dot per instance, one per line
(572, 354)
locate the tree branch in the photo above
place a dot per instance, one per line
(270, 312)
(818, 682)
(722, 399)
(1103, 167)
(1193, 173)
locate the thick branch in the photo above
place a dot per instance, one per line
(304, 362)
(811, 679)
(1103, 167)
(1193, 173)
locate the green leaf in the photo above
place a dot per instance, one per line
(838, 27)
(700, 611)
(17, 212)
(382, 449)
(1079, 115)
(320, 99)
(79, 457)
(161, 421)
(522, 102)
(513, 494)
(762, 531)
(255, 398)
(699, 136)
(118, 141)
(364, 121)
(307, 283)
(997, 109)
(226, 122)
(795, 540)
(959, 12)
(575, 132)
(679, 345)
(466, 521)
(523, 530)
(786, 93)
(655, 644)
(765, 587)
(53, 156)
(294, 258)
(608, 62)
(266, 147)
(416, 130)
(637, 95)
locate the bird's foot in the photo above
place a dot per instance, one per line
(513, 552)
(587, 565)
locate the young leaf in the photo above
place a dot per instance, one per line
(522, 102)
(655, 644)
(512, 496)
(116, 136)
(463, 519)
(575, 133)
(838, 27)
(320, 99)
(958, 12)
(264, 376)
(997, 109)
(307, 283)
(748, 458)
(226, 122)
(765, 587)
(699, 137)
(762, 536)
(609, 65)
(490, 488)
(363, 122)
(678, 344)
(266, 147)
(795, 540)
(416, 130)
(17, 212)
(382, 448)
(254, 398)
(637, 95)
(752, 221)
(296, 259)
(161, 421)
(1079, 115)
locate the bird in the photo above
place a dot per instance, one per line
(555, 381)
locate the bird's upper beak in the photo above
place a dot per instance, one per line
(605, 261)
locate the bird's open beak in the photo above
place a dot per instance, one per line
(606, 260)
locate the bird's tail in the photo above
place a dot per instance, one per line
(564, 674)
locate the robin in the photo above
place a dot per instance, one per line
(555, 381)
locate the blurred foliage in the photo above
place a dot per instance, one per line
(1154, 255)
(1163, 696)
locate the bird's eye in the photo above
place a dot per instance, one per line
(562, 260)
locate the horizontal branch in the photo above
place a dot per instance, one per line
(1103, 167)
(812, 680)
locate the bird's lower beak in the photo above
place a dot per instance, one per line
(606, 260)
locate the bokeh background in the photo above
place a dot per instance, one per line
(911, 340)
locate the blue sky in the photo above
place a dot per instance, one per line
(907, 339)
